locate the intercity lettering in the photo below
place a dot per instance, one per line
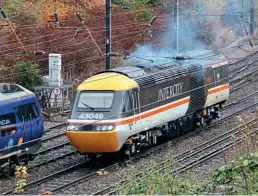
(170, 91)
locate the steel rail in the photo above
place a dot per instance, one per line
(195, 156)
(159, 147)
(94, 173)
(244, 66)
(32, 166)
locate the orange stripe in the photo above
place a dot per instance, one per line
(159, 110)
(154, 112)
(142, 116)
(222, 88)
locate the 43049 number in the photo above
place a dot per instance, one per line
(91, 116)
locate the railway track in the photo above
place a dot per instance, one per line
(72, 151)
(244, 77)
(56, 185)
(241, 68)
(51, 127)
(64, 146)
(53, 136)
(82, 171)
(244, 82)
(195, 156)
(241, 100)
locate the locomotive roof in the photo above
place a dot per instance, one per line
(154, 73)
(12, 91)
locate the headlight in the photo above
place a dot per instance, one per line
(104, 127)
(96, 127)
(72, 128)
(99, 128)
(110, 127)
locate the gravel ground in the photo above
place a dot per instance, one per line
(54, 132)
(49, 124)
(120, 173)
(54, 142)
(39, 172)
(203, 171)
(243, 91)
(234, 67)
(49, 168)
(74, 159)
(52, 154)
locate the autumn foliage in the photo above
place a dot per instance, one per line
(63, 10)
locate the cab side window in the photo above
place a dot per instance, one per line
(218, 74)
(136, 102)
(26, 112)
(127, 103)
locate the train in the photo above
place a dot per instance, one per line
(127, 109)
(21, 127)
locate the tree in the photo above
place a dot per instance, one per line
(27, 74)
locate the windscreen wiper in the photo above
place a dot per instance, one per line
(88, 106)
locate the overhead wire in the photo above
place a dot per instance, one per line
(23, 73)
(65, 37)
(5, 17)
(124, 12)
(38, 60)
(114, 27)
(116, 13)
(48, 40)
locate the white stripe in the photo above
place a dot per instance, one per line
(218, 87)
(120, 119)
(219, 64)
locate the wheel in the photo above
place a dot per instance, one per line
(130, 151)
(133, 149)
(8, 169)
(208, 121)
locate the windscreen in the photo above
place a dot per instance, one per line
(94, 100)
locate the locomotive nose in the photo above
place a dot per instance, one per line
(99, 140)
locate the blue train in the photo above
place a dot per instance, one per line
(21, 127)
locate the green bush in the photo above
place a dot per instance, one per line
(241, 174)
(27, 74)
(238, 177)
(21, 12)
(158, 182)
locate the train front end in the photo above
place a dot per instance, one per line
(95, 124)
(21, 126)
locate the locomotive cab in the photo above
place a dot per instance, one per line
(95, 124)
